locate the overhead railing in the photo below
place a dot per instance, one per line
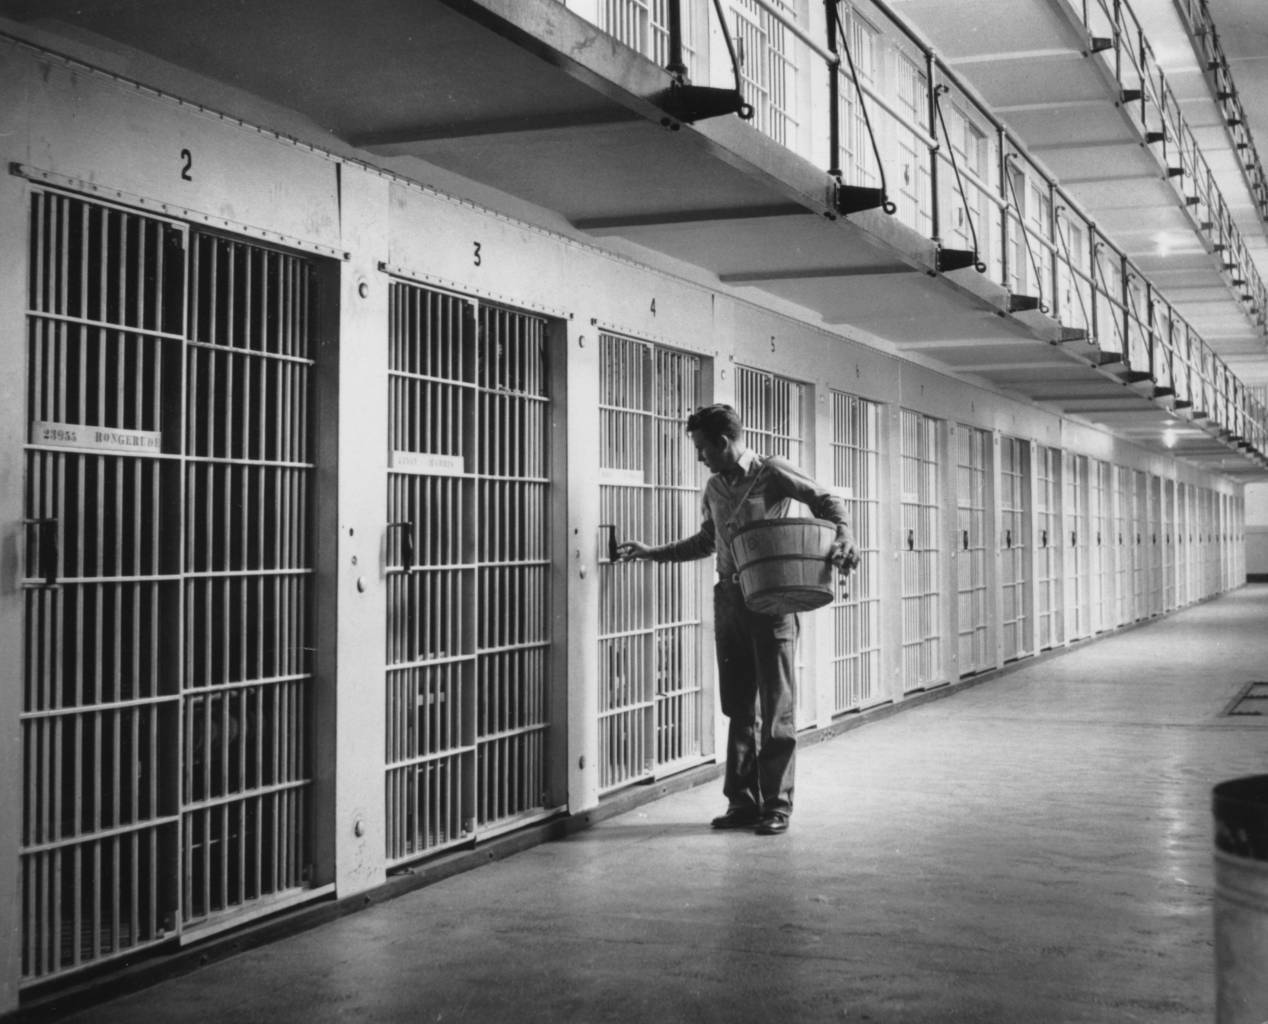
(1117, 36)
(916, 141)
(1197, 18)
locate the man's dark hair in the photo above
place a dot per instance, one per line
(716, 422)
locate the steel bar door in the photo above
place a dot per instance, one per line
(921, 551)
(652, 650)
(165, 724)
(1184, 547)
(1137, 539)
(775, 411)
(468, 631)
(1014, 504)
(973, 447)
(767, 68)
(858, 160)
(1124, 504)
(1167, 541)
(856, 649)
(1075, 536)
(1048, 548)
(248, 578)
(1105, 554)
(1154, 544)
(102, 692)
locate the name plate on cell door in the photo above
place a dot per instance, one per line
(427, 464)
(78, 435)
(621, 477)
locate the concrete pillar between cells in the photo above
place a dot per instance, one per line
(351, 578)
(14, 201)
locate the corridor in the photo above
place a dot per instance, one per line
(1033, 849)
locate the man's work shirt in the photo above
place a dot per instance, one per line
(763, 490)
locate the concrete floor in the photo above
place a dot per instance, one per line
(1034, 849)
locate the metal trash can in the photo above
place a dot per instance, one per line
(1240, 807)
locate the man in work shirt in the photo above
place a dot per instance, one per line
(756, 652)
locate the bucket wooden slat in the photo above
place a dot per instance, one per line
(783, 564)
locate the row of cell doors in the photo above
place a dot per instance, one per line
(167, 713)
(167, 579)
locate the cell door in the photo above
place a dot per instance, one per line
(767, 67)
(468, 644)
(915, 199)
(775, 411)
(921, 552)
(1125, 550)
(167, 670)
(1167, 544)
(856, 649)
(858, 159)
(973, 447)
(1138, 541)
(653, 653)
(1075, 538)
(1014, 531)
(1153, 544)
(1106, 553)
(1183, 557)
(1050, 612)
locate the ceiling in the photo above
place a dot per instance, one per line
(556, 121)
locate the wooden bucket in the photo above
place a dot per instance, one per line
(783, 564)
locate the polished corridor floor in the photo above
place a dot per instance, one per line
(1033, 849)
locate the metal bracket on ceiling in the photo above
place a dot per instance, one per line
(848, 199)
(1130, 377)
(957, 259)
(1069, 334)
(690, 103)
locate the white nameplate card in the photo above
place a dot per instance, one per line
(427, 464)
(620, 477)
(108, 439)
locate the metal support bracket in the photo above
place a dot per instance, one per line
(957, 259)
(690, 103)
(848, 199)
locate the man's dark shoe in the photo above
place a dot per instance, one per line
(737, 817)
(773, 824)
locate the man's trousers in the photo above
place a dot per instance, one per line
(757, 684)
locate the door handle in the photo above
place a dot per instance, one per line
(45, 549)
(407, 542)
(613, 554)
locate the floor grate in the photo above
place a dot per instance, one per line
(1253, 700)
